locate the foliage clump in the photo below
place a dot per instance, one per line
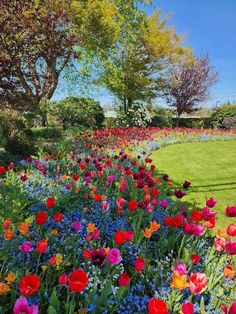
(75, 111)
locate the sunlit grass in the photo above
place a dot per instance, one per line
(209, 166)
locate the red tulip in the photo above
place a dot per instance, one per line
(97, 198)
(29, 285)
(3, 170)
(187, 308)
(231, 230)
(120, 237)
(50, 202)
(41, 218)
(58, 217)
(42, 246)
(157, 306)
(76, 177)
(196, 215)
(78, 280)
(124, 280)
(139, 264)
(133, 205)
(195, 258)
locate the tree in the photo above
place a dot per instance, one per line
(36, 42)
(40, 38)
(136, 70)
(190, 85)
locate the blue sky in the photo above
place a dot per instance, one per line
(209, 26)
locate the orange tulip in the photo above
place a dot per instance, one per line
(169, 184)
(210, 224)
(154, 226)
(23, 228)
(179, 282)
(147, 233)
(222, 233)
(91, 227)
(229, 272)
(8, 234)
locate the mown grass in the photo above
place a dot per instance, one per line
(209, 166)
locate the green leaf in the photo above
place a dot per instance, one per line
(54, 302)
(202, 306)
(51, 310)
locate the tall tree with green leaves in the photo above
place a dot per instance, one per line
(136, 69)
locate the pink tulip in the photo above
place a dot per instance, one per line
(219, 244)
(120, 202)
(26, 247)
(114, 257)
(197, 283)
(192, 229)
(180, 268)
(63, 279)
(230, 211)
(208, 214)
(105, 206)
(230, 310)
(230, 248)
(76, 225)
(211, 202)
(22, 306)
(164, 203)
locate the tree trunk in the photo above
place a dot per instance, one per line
(177, 122)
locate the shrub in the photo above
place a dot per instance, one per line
(192, 122)
(75, 111)
(138, 115)
(162, 118)
(17, 139)
(229, 122)
(220, 114)
(47, 133)
(110, 122)
(29, 118)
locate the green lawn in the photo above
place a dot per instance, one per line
(209, 166)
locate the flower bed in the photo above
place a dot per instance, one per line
(91, 227)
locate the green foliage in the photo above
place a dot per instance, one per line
(162, 118)
(13, 198)
(110, 122)
(17, 139)
(97, 21)
(29, 118)
(47, 133)
(2, 139)
(191, 122)
(75, 111)
(220, 114)
(136, 69)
